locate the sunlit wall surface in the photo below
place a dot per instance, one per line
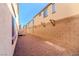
(60, 24)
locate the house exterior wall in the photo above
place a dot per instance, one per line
(63, 10)
(65, 33)
(14, 12)
(6, 46)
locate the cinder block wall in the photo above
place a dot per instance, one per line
(66, 31)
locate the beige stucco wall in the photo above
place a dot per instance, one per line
(66, 31)
(30, 27)
(62, 10)
(6, 47)
(65, 10)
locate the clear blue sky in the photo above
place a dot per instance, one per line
(28, 10)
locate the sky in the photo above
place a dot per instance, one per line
(28, 10)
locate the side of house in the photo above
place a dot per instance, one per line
(9, 27)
